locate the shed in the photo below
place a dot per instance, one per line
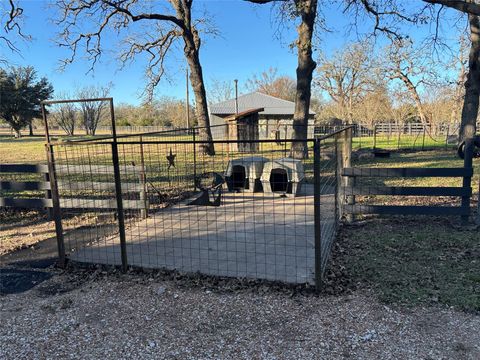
(244, 127)
(275, 120)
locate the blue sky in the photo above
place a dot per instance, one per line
(247, 45)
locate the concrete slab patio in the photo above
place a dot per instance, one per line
(250, 235)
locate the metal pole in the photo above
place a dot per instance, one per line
(347, 162)
(57, 214)
(187, 105)
(236, 96)
(143, 179)
(194, 162)
(317, 216)
(118, 192)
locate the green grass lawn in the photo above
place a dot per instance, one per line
(411, 142)
(25, 150)
(428, 159)
(412, 261)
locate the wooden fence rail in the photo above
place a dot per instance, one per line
(464, 191)
(74, 185)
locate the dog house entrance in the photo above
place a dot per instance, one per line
(239, 177)
(279, 180)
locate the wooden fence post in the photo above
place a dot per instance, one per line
(467, 180)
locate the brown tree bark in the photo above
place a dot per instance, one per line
(192, 54)
(306, 65)
(472, 85)
(416, 97)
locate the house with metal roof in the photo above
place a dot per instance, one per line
(275, 121)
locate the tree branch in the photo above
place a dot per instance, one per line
(463, 6)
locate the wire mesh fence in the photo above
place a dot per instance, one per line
(240, 200)
(250, 210)
(404, 136)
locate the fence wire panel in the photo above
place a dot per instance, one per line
(245, 211)
(86, 185)
(331, 155)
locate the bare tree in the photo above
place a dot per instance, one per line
(306, 12)
(220, 90)
(270, 83)
(387, 13)
(92, 111)
(407, 64)
(11, 15)
(65, 115)
(466, 6)
(347, 77)
(456, 91)
(472, 85)
(375, 106)
(164, 27)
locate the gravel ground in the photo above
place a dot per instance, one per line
(147, 317)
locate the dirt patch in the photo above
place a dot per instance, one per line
(22, 229)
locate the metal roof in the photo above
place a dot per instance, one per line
(271, 105)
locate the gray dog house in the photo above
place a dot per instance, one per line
(284, 176)
(244, 173)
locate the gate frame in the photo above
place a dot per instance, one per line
(57, 212)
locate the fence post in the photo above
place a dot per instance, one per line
(143, 179)
(194, 161)
(359, 135)
(467, 180)
(118, 192)
(317, 218)
(57, 215)
(347, 162)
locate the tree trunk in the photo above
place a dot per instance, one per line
(305, 68)
(30, 128)
(192, 54)
(416, 98)
(472, 85)
(201, 106)
(18, 134)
